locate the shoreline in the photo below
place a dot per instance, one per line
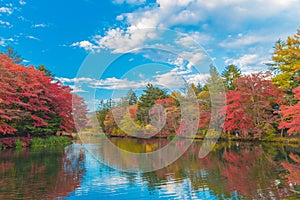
(279, 140)
(32, 142)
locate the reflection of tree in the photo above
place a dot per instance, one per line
(40, 174)
(251, 173)
(293, 169)
(245, 171)
(231, 170)
(126, 160)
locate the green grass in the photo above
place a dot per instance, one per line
(51, 141)
(19, 144)
(171, 137)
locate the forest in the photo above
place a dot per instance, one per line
(263, 105)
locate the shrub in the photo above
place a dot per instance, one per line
(51, 141)
(18, 144)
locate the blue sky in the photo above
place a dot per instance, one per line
(67, 35)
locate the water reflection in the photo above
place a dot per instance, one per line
(230, 171)
(40, 173)
(233, 170)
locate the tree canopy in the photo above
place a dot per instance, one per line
(286, 66)
(31, 102)
(147, 100)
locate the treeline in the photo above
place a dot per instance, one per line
(32, 102)
(259, 105)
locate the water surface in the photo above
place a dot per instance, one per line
(230, 171)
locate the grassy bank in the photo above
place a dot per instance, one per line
(283, 140)
(51, 141)
(23, 142)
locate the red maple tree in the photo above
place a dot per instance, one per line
(30, 99)
(249, 106)
(291, 115)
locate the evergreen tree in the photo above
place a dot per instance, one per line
(215, 83)
(45, 70)
(101, 113)
(147, 100)
(130, 98)
(230, 74)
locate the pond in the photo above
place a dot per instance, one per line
(230, 171)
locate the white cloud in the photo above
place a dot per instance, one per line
(133, 2)
(249, 63)
(6, 10)
(117, 84)
(32, 37)
(194, 39)
(181, 66)
(197, 78)
(173, 80)
(4, 42)
(74, 80)
(245, 40)
(4, 23)
(22, 2)
(170, 80)
(176, 79)
(76, 89)
(120, 17)
(121, 41)
(166, 14)
(212, 19)
(39, 25)
(108, 83)
(88, 46)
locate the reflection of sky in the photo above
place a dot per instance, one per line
(102, 182)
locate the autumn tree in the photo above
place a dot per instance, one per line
(250, 106)
(31, 102)
(291, 115)
(293, 169)
(13, 55)
(110, 123)
(286, 66)
(79, 111)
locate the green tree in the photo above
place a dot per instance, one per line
(147, 100)
(211, 93)
(230, 74)
(286, 66)
(101, 113)
(130, 98)
(45, 70)
(215, 83)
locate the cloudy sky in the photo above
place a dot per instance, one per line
(162, 41)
